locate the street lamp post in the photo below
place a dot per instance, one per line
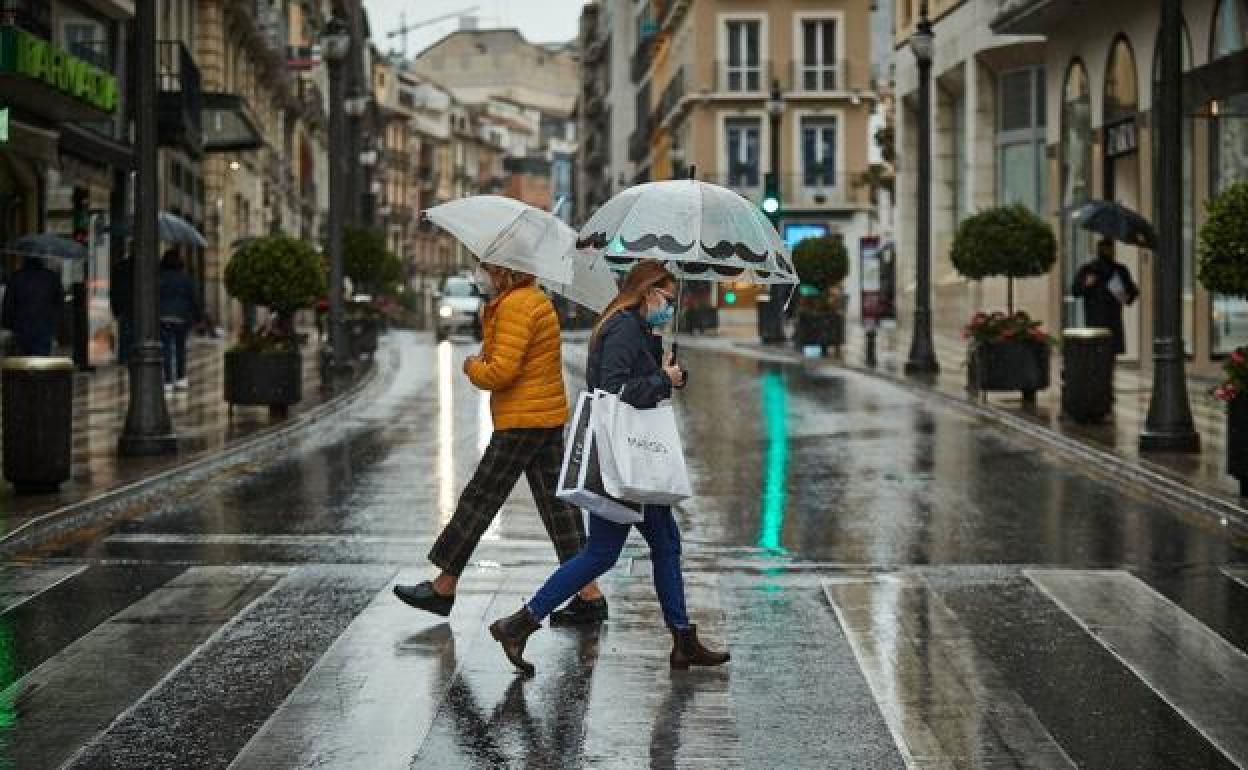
(771, 312)
(922, 361)
(1169, 426)
(335, 45)
(148, 429)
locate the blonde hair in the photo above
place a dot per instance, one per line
(505, 279)
(645, 275)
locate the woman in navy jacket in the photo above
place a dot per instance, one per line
(626, 357)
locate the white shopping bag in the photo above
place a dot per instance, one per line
(580, 478)
(641, 455)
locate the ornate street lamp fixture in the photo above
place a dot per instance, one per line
(922, 360)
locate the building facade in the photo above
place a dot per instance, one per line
(1103, 65)
(702, 74)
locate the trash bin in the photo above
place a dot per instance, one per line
(1087, 374)
(38, 416)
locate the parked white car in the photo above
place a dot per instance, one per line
(459, 304)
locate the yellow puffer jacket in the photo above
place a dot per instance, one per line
(521, 361)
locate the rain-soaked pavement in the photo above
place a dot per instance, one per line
(900, 586)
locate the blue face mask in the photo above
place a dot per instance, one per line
(661, 316)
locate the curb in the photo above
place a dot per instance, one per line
(105, 507)
(1213, 509)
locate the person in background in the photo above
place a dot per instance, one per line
(32, 307)
(626, 357)
(1106, 288)
(178, 312)
(521, 365)
(121, 302)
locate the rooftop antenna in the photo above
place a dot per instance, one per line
(404, 28)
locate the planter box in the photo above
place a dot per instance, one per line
(362, 336)
(822, 329)
(1237, 442)
(263, 379)
(1004, 366)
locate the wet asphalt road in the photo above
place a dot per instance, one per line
(900, 586)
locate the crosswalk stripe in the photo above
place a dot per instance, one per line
(21, 583)
(225, 690)
(946, 705)
(351, 710)
(1202, 676)
(639, 714)
(62, 704)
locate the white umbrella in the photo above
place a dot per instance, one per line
(705, 232)
(510, 233)
(593, 283)
(175, 229)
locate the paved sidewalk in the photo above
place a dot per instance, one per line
(201, 419)
(1118, 436)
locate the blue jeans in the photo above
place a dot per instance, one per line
(173, 349)
(602, 551)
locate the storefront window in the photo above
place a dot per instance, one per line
(1229, 322)
(1076, 183)
(1021, 174)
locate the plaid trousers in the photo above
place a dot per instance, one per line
(538, 454)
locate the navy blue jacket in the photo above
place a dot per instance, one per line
(628, 354)
(32, 304)
(177, 297)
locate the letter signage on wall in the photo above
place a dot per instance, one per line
(28, 56)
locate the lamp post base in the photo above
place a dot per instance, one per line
(147, 446)
(148, 430)
(922, 367)
(1185, 441)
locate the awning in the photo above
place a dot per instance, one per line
(228, 124)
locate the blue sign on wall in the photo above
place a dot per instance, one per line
(796, 233)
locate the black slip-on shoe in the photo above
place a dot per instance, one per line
(423, 597)
(580, 612)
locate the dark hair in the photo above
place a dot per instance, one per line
(645, 275)
(171, 260)
(1105, 247)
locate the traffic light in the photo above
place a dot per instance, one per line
(81, 215)
(771, 196)
(730, 297)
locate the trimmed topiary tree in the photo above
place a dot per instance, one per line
(1007, 240)
(366, 260)
(822, 264)
(278, 272)
(1223, 252)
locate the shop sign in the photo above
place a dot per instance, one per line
(1120, 138)
(26, 55)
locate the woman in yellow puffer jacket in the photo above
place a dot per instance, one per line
(521, 365)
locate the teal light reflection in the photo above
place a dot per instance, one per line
(776, 460)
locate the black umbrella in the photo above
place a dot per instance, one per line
(48, 245)
(1113, 220)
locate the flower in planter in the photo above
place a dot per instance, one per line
(986, 328)
(1236, 382)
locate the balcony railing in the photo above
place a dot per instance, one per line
(812, 189)
(840, 75)
(31, 15)
(672, 94)
(752, 79)
(179, 104)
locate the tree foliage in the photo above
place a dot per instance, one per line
(370, 265)
(1007, 240)
(822, 261)
(281, 273)
(1223, 253)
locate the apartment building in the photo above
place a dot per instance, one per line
(735, 90)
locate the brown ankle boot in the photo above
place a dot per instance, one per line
(513, 632)
(688, 651)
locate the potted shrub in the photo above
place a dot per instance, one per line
(284, 275)
(1223, 266)
(374, 271)
(1007, 351)
(821, 264)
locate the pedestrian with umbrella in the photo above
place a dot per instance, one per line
(33, 303)
(521, 365)
(179, 310)
(625, 357)
(1106, 285)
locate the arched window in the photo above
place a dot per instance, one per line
(1076, 154)
(1229, 157)
(1121, 93)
